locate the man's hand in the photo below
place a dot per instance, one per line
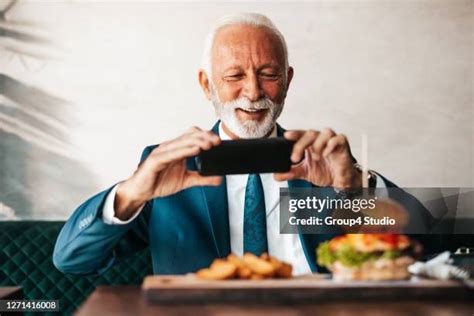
(323, 158)
(164, 172)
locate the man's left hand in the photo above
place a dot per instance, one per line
(323, 158)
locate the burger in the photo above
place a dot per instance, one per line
(373, 257)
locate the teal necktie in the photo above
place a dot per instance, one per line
(255, 223)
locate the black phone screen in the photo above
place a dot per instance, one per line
(246, 156)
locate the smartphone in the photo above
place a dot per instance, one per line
(245, 156)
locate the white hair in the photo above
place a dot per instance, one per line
(254, 19)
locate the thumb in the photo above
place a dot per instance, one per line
(193, 179)
(296, 172)
(283, 176)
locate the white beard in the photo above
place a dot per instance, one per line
(226, 112)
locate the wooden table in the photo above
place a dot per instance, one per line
(128, 300)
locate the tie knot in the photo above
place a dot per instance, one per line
(254, 177)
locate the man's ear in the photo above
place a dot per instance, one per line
(289, 76)
(204, 82)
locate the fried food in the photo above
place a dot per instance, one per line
(243, 271)
(248, 267)
(258, 265)
(219, 270)
(285, 271)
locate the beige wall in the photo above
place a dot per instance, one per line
(110, 77)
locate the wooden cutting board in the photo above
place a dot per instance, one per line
(189, 289)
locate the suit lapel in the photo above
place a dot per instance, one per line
(216, 200)
(217, 209)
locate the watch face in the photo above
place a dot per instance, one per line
(372, 180)
(372, 177)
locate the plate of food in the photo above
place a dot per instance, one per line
(363, 267)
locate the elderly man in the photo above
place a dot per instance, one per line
(187, 219)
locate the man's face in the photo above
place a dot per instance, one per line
(249, 79)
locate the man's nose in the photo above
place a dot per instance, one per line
(252, 89)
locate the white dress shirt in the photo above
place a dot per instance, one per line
(286, 247)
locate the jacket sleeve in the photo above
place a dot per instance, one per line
(420, 218)
(87, 245)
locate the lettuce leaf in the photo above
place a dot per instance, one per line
(353, 258)
(324, 255)
(391, 254)
(350, 257)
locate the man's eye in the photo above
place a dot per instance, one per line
(233, 77)
(270, 76)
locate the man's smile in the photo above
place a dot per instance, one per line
(251, 114)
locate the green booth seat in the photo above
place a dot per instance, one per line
(26, 249)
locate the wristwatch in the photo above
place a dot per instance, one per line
(371, 176)
(351, 193)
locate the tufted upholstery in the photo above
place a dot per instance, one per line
(26, 249)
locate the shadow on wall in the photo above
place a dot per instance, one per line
(39, 177)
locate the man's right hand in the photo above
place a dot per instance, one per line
(164, 172)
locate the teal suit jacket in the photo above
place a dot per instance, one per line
(185, 231)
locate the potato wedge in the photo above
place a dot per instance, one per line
(258, 265)
(285, 271)
(257, 277)
(219, 270)
(282, 269)
(238, 262)
(243, 271)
